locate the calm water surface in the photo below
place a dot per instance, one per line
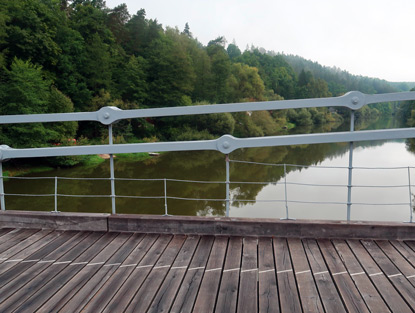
(210, 166)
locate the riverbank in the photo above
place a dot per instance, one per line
(21, 168)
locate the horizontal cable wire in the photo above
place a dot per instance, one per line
(29, 195)
(291, 165)
(140, 197)
(25, 178)
(318, 185)
(321, 166)
(195, 199)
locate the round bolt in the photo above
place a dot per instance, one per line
(106, 115)
(355, 100)
(226, 144)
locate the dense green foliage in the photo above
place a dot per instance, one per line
(79, 55)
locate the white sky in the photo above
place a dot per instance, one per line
(372, 38)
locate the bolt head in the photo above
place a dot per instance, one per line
(226, 144)
(355, 100)
(106, 115)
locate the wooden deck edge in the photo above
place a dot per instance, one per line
(52, 220)
(208, 225)
(261, 227)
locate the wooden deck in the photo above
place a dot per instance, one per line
(70, 271)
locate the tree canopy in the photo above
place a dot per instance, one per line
(79, 55)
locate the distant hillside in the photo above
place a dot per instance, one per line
(340, 81)
(403, 86)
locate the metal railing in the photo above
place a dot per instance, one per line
(228, 200)
(225, 144)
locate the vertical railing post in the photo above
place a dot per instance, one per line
(56, 195)
(227, 186)
(410, 196)
(165, 198)
(2, 202)
(113, 210)
(349, 183)
(287, 217)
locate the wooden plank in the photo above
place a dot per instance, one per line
(187, 293)
(328, 293)
(405, 250)
(398, 260)
(43, 287)
(26, 275)
(400, 282)
(310, 299)
(228, 290)
(207, 295)
(347, 289)
(392, 298)
(61, 297)
(111, 286)
(27, 248)
(127, 291)
(248, 287)
(4, 231)
(168, 290)
(268, 301)
(53, 243)
(81, 298)
(12, 239)
(142, 299)
(289, 298)
(369, 293)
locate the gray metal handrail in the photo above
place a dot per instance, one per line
(226, 144)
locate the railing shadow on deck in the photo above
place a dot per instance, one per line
(225, 144)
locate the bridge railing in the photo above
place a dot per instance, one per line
(282, 190)
(225, 144)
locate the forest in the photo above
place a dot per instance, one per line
(80, 55)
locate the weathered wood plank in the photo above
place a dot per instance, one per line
(114, 283)
(383, 285)
(61, 273)
(268, 298)
(77, 303)
(142, 299)
(27, 248)
(289, 298)
(309, 296)
(368, 291)
(268, 301)
(126, 293)
(168, 290)
(348, 291)
(187, 293)
(12, 238)
(328, 293)
(228, 291)
(207, 295)
(28, 274)
(398, 260)
(400, 282)
(44, 255)
(248, 287)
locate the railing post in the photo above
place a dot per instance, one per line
(410, 196)
(113, 210)
(56, 195)
(349, 183)
(227, 185)
(2, 202)
(286, 194)
(165, 198)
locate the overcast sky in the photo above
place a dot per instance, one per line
(372, 38)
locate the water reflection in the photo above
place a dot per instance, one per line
(210, 166)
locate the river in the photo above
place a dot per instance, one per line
(256, 198)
